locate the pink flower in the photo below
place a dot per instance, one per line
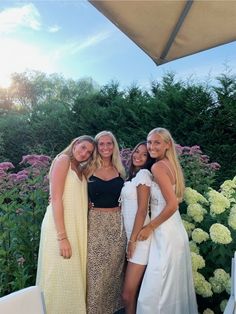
(25, 172)
(186, 150)
(195, 149)
(2, 173)
(179, 149)
(215, 166)
(36, 160)
(21, 177)
(204, 158)
(6, 165)
(13, 176)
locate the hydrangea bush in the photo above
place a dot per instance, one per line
(210, 221)
(23, 199)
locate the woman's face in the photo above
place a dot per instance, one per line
(105, 146)
(140, 155)
(82, 151)
(156, 146)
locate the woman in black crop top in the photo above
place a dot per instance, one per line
(106, 237)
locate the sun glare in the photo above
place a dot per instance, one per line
(17, 57)
(5, 80)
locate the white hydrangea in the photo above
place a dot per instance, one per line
(189, 227)
(198, 261)
(223, 304)
(196, 212)
(192, 197)
(202, 286)
(193, 247)
(228, 188)
(219, 281)
(228, 287)
(220, 234)
(232, 217)
(218, 202)
(199, 235)
(208, 311)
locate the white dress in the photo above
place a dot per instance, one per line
(129, 206)
(167, 286)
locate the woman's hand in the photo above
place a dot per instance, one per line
(90, 205)
(145, 233)
(65, 248)
(130, 249)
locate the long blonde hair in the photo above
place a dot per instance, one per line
(172, 156)
(85, 165)
(116, 159)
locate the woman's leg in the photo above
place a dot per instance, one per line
(133, 277)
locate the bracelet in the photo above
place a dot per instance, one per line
(61, 233)
(132, 241)
(60, 239)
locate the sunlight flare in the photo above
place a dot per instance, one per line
(16, 56)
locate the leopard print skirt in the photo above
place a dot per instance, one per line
(106, 258)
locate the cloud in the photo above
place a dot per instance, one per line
(73, 48)
(13, 18)
(54, 29)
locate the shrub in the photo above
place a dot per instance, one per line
(199, 172)
(23, 200)
(210, 221)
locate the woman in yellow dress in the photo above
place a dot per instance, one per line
(62, 257)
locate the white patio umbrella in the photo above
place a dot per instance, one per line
(168, 30)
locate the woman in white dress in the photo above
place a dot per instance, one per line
(167, 286)
(134, 204)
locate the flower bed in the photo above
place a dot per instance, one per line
(209, 218)
(210, 221)
(23, 200)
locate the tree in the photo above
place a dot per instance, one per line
(15, 136)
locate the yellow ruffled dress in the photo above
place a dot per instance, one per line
(63, 281)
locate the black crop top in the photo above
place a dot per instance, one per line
(105, 194)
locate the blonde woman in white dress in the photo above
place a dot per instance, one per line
(62, 260)
(134, 205)
(167, 286)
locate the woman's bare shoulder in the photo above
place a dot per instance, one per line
(157, 166)
(61, 162)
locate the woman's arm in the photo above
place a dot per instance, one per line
(143, 194)
(161, 176)
(57, 178)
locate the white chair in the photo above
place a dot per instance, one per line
(231, 305)
(25, 301)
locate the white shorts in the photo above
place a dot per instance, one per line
(141, 252)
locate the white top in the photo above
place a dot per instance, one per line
(129, 206)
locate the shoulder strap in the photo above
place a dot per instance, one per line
(169, 169)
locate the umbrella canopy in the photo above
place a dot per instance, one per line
(168, 30)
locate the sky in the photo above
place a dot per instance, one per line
(74, 39)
